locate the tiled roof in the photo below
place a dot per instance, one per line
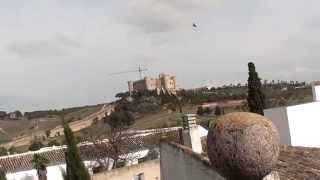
(21, 162)
(316, 83)
(295, 163)
(298, 163)
(55, 155)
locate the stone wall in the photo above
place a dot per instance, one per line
(164, 81)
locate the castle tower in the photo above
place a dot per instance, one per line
(148, 83)
(130, 87)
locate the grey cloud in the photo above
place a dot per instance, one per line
(281, 37)
(67, 41)
(189, 6)
(57, 45)
(154, 16)
(36, 49)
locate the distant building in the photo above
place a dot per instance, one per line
(165, 83)
(299, 125)
(14, 115)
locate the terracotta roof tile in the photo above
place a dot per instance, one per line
(55, 155)
(295, 163)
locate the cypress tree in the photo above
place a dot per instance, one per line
(256, 98)
(218, 111)
(2, 175)
(76, 169)
(40, 164)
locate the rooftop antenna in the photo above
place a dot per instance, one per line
(140, 70)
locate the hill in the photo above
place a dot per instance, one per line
(149, 110)
(25, 128)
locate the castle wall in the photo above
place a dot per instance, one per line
(165, 82)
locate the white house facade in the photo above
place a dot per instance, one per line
(298, 125)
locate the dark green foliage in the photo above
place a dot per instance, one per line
(38, 161)
(122, 95)
(53, 143)
(3, 114)
(53, 113)
(2, 175)
(176, 101)
(120, 119)
(142, 104)
(256, 98)
(18, 113)
(13, 150)
(36, 145)
(123, 104)
(40, 164)
(218, 111)
(48, 132)
(208, 110)
(215, 94)
(41, 114)
(76, 169)
(205, 123)
(202, 111)
(3, 151)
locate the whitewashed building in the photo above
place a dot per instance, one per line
(299, 125)
(19, 166)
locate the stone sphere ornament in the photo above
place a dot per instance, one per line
(243, 146)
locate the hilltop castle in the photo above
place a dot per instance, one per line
(165, 83)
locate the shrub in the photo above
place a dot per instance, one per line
(48, 132)
(36, 145)
(53, 143)
(3, 151)
(200, 110)
(2, 175)
(120, 119)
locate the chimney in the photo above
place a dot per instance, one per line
(190, 133)
(316, 91)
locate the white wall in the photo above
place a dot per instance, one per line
(150, 170)
(279, 118)
(53, 173)
(298, 125)
(304, 123)
(316, 92)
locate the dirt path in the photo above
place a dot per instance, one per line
(58, 131)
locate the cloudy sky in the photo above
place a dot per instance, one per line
(59, 53)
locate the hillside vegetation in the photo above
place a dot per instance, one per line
(41, 121)
(158, 111)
